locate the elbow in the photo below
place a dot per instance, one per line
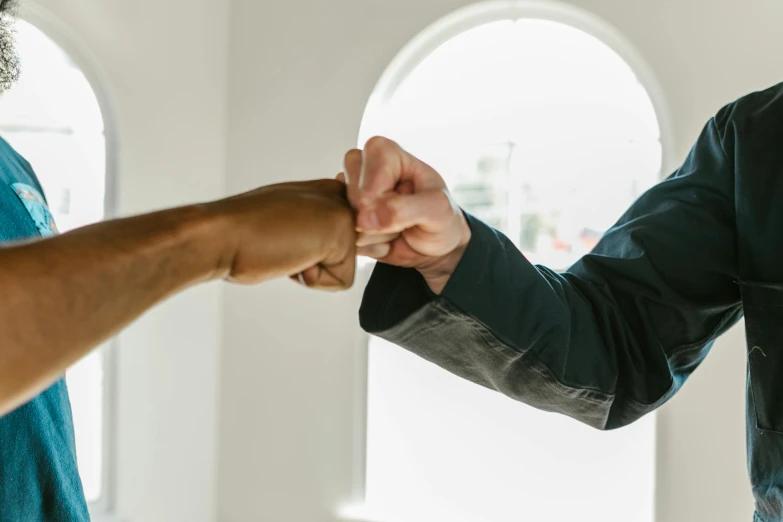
(597, 414)
(625, 412)
(537, 386)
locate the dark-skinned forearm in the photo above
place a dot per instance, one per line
(61, 297)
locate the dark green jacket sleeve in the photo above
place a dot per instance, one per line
(609, 340)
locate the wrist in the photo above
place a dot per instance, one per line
(438, 273)
(205, 231)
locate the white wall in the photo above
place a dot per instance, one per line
(163, 66)
(300, 75)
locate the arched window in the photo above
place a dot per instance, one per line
(545, 132)
(52, 118)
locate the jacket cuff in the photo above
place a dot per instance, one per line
(394, 294)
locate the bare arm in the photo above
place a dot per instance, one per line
(62, 296)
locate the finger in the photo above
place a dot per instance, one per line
(338, 276)
(374, 251)
(431, 210)
(382, 168)
(299, 279)
(374, 239)
(387, 167)
(352, 163)
(341, 177)
(318, 277)
(308, 277)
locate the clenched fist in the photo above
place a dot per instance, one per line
(288, 229)
(405, 213)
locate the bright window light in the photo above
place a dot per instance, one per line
(544, 132)
(53, 119)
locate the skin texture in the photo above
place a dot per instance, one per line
(405, 213)
(64, 295)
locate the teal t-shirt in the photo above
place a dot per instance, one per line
(39, 479)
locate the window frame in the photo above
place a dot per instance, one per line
(62, 35)
(472, 16)
(401, 66)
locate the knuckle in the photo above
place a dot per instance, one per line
(330, 184)
(390, 216)
(379, 145)
(320, 187)
(352, 157)
(395, 207)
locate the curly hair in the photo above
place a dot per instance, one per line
(9, 61)
(8, 6)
